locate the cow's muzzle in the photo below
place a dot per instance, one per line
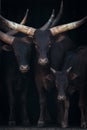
(61, 98)
(24, 68)
(43, 61)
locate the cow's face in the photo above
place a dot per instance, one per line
(61, 82)
(42, 40)
(22, 50)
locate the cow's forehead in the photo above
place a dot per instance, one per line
(20, 46)
(41, 35)
(21, 42)
(61, 76)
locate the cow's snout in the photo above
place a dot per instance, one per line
(24, 68)
(61, 97)
(43, 61)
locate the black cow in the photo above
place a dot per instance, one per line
(43, 39)
(20, 46)
(48, 52)
(16, 82)
(17, 86)
(72, 78)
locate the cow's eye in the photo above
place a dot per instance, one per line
(57, 84)
(36, 46)
(17, 57)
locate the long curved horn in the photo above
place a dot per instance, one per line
(66, 27)
(6, 38)
(58, 17)
(25, 17)
(52, 22)
(18, 27)
(49, 22)
(13, 32)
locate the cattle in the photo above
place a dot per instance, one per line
(14, 41)
(72, 78)
(43, 41)
(18, 55)
(17, 82)
(57, 53)
(21, 47)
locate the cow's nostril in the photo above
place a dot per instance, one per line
(24, 67)
(61, 98)
(43, 61)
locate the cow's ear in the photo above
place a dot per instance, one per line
(49, 77)
(73, 76)
(7, 48)
(53, 70)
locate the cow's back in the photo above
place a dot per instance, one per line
(78, 61)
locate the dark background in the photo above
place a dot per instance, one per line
(39, 13)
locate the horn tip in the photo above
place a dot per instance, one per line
(27, 10)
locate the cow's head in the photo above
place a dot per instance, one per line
(21, 48)
(62, 82)
(44, 37)
(42, 41)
